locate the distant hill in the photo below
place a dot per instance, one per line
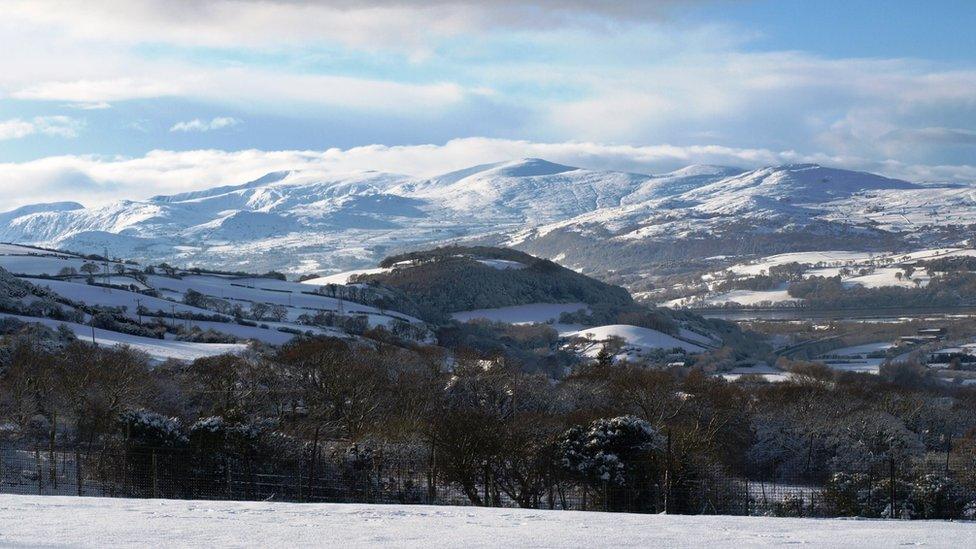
(625, 228)
(445, 280)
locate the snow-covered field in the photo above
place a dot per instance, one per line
(856, 358)
(748, 298)
(53, 521)
(295, 298)
(635, 336)
(343, 277)
(765, 371)
(78, 290)
(157, 349)
(827, 258)
(868, 270)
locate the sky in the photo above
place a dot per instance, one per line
(103, 100)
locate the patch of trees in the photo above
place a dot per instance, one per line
(948, 264)
(625, 437)
(534, 346)
(777, 275)
(948, 290)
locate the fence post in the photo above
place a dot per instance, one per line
(891, 470)
(948, 451)
(487, 495)
(667, 479)
(40, 474)
(155, 477)
(78, 470)
(230, 488)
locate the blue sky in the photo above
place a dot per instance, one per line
(146, 96)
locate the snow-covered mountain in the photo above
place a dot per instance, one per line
(590, 219)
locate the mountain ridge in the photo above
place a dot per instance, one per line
(304, 221)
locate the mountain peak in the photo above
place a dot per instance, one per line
(40, 208)
(529, 167)
(695, 170)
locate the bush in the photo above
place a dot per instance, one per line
(938, 497)
(608, 449)
(791, 505)
(927, 496)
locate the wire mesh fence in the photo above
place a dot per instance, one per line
(916, 489)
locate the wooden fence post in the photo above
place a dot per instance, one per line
(78, 470)
(667, 479)
(40, 474)
(230, 487)
(891, 470)
(155, 477)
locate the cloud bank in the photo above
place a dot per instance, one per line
(103, 179)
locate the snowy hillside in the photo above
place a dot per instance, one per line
(743, 284)
(172, 313)
(337, 221)
(179, 314)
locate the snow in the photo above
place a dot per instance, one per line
(886, 277)
(521, 314)
(762, 370)
(111, 297)
(41, 265)
(335, 221)
(753, 297)
(828, 257)
(343, 277)
(502, 264)
(866, 348)
(636, 336)
(855, 359)
(16, 249)
(882, 270)
(64, 521)
(270, 335)
(685, 333)
(295, 297)
(742, 297)
(157, 349)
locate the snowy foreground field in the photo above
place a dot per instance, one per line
(50, 521)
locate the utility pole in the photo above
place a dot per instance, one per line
(139, 309)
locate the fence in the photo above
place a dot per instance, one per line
(920, 489)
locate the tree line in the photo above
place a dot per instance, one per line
(491, 428)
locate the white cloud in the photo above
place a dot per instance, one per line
(371, 24)
(97, 91)
(545, 70)
(60, 126)
(264, 89)
(16, 128)
(97, 106)
(97, 180)
(197, 125)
